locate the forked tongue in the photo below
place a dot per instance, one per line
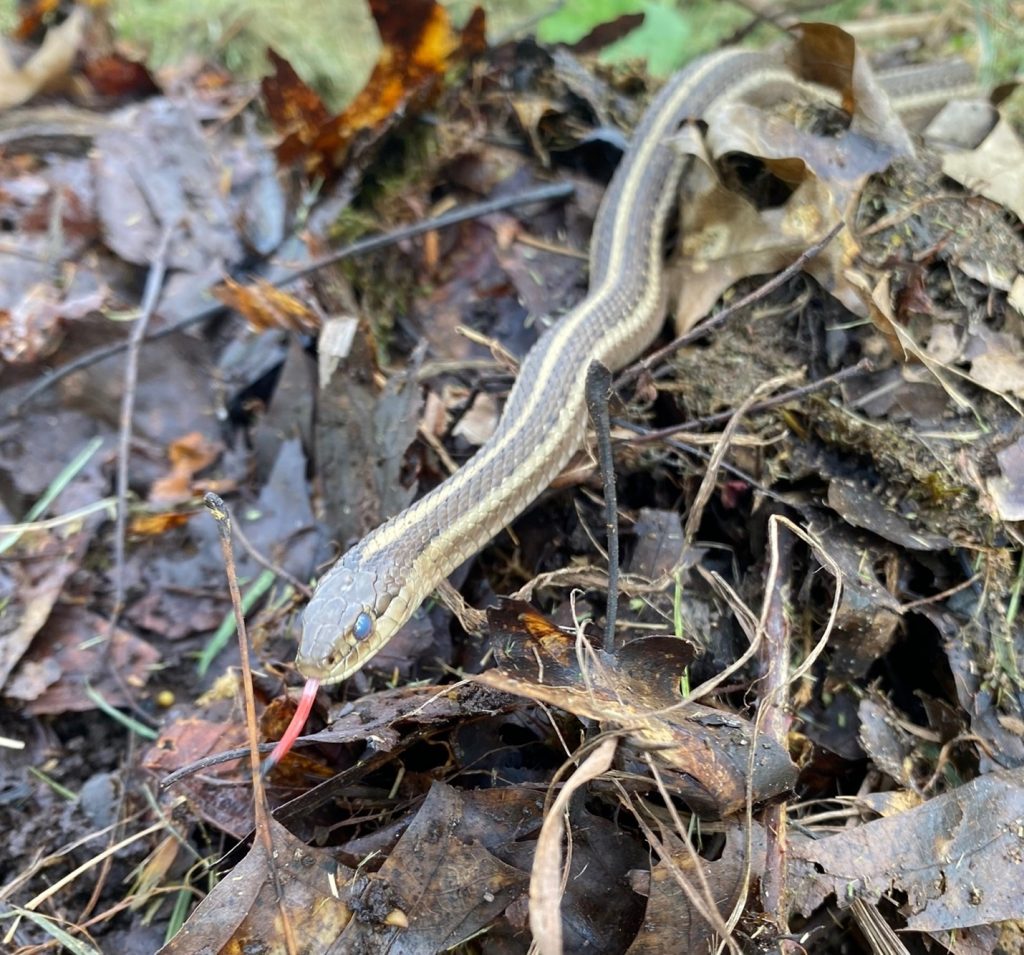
(284, 744)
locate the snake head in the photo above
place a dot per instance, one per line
(344, 624)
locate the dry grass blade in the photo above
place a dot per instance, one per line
(546, 877)
(879, 933)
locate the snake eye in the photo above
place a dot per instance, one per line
(363, 626)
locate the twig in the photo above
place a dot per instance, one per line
(598, 393)
(699, 331)
(220, 514)
(784, 397)
(267, 564)
(775, 720)
(547, 193)
(154, 285)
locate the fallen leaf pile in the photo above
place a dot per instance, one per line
(805, 729)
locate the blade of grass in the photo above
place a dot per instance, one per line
(227, 629)
(74, 945)
(58, 484)
(133, 726)
(60, 790)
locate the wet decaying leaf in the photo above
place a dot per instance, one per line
(959, 862)
(70, 664)
(706, 752)
(252, 905)
(438, 856)
(163, 175)
(669, 922)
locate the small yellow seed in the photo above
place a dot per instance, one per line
(397, 918)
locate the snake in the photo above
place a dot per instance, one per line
(376, 586)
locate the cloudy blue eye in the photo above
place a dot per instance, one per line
(363, 626)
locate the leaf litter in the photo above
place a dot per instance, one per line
(842, 761)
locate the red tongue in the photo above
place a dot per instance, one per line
(284, 744)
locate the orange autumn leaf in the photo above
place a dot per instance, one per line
(296, 111)
(153, 525)
(188, 456)
(264, 306)
(34, 18)
(418, 44)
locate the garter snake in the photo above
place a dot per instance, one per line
(377, 585)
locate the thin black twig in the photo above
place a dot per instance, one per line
(546, 193)
(598, 392)
(154, 283)
(699, 331)
(785, 397)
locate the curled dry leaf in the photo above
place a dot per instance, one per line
(266, 307)
(188, 456)
(704, 751)
(728, 235)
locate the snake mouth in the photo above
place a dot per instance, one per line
(339, 664)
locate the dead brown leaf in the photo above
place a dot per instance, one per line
(418, 46)
(265, 307)
(671, 922)
(189, 740)
(728, 236)
(993, 169)
(69, 656)
(704, 751)
(1007, 488)
(188, 456)
(152, 525)
(440, 886)
(31, 328)
(959, 861)
(114, 74)
(246, 909)
(38, 580)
